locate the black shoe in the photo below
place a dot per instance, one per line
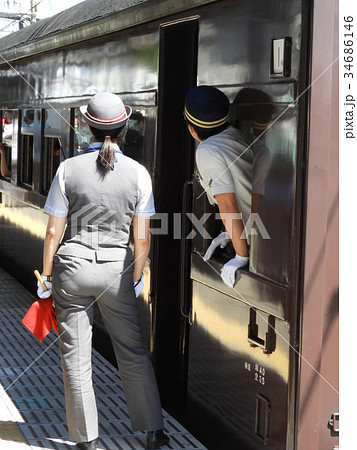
(88, 445)
(155, 439)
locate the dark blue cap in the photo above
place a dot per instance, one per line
(206, 107)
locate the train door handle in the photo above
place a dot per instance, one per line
(268, 344)
(185, 270)
(262, 418)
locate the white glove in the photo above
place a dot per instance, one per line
(44, 294)
(221, 240)
(138, 286)
(228, 272)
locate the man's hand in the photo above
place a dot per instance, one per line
(228, 272)
(220, 241)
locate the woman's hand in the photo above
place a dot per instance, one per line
(41, 292)
(138, 286)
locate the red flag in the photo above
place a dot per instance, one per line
(40, 318)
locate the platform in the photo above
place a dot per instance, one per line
(32, 411)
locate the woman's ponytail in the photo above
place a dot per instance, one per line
(106, 156)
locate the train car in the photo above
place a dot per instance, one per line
(252, 367)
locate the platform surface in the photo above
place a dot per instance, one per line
(32, 412)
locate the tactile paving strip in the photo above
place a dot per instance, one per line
(30, 373)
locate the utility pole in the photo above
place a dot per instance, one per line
(24, 13)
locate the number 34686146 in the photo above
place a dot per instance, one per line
(348, 42)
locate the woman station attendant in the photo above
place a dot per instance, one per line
(98, 195)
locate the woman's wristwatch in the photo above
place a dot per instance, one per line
(46, 277)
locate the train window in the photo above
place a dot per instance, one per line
(26, 146)
(52, 146)
(251, 113)
(6, 140)
(134, 139)
(82, 134)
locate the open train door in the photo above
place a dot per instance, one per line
(173, 167)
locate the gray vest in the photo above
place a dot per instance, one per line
(101, 207)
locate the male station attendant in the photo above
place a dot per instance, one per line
(230, 171)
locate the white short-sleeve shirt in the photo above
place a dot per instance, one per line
(228, 164)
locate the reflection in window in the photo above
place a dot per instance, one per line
(26, 146)
(82, 134)
(134, 139)
(52, 146)
(5, 150)
(251, 112)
